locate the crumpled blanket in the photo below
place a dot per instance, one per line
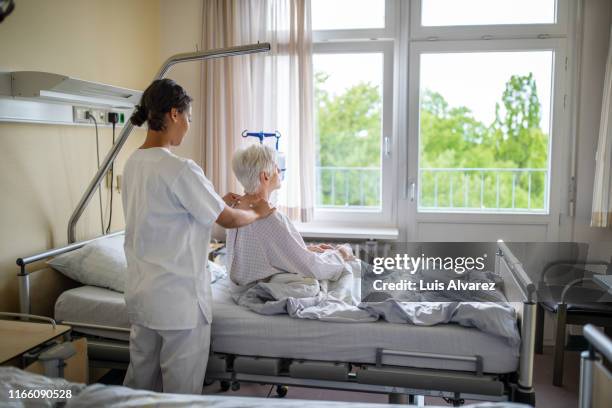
(305, 298)
(334, 301)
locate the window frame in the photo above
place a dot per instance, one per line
(488, 32)
(559, 124)
(365, 216)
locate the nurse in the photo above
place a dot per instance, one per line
(170, 207)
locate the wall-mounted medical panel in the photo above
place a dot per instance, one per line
(42, 97)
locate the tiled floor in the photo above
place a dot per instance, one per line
(547, 395)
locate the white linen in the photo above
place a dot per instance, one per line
(169, 208)
(334, 302)
(272, 245)
(100, 263)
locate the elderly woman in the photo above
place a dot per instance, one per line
(272, 245)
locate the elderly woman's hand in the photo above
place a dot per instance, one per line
(345, 252)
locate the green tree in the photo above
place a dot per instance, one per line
(348, 125)
(516, 131)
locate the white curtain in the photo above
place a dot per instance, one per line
(602, 191)
(269, 92)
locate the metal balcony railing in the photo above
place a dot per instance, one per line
(500, 189)
(348, 187)
(462, 189)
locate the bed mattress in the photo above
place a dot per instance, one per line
(236, 330)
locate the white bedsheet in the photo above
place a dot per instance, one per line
(239, 331)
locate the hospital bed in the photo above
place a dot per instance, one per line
(448, 360)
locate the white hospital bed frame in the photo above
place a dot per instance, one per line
(378, 378)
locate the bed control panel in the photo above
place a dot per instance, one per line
(257, 365)
(319, 370)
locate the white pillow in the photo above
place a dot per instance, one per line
(100, 263)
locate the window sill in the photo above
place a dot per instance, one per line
(312, 230)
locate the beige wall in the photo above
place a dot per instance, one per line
(181, 31)
(45, 168)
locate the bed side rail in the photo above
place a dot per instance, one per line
(599, 343)
(518, 284)
(24, 275)
(519, 278)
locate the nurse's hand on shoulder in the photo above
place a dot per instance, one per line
(243, 213)
(232, 199)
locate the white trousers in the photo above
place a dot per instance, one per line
(171, 361)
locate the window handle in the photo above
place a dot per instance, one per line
(410, 190)
(387, 145)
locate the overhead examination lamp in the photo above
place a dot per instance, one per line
(127, 129)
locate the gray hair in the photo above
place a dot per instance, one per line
(249, 162)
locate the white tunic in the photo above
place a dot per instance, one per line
(272, 245)
(169, 209)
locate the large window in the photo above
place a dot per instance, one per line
(425, 107)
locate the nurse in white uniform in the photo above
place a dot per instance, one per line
(170, 207)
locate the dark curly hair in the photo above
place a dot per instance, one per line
(158, 99)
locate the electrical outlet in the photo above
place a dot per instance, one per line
(79, 115)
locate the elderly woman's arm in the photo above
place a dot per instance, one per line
(287, 251)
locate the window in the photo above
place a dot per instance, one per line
(332, 15)
(484, 130)
(348, 101)
(487, 12)
(488, 19)
(353, 82)
(488, 87)
(432, 111)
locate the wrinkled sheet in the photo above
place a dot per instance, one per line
(334, 301)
